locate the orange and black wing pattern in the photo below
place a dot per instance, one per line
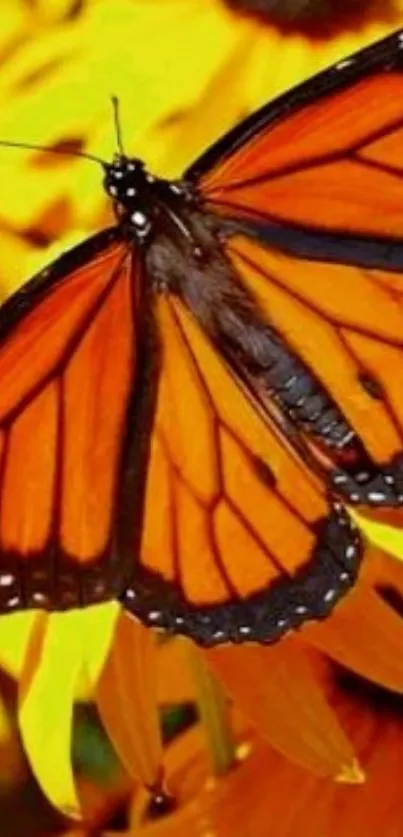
(307, 196)
(188, 399)
(324, 158)
(67, 365)
(239, 540)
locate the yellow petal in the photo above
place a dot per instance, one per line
(15, 630)
(100, 634)
(47, 690)
(126, 698)
(389, 538)
(276, 688)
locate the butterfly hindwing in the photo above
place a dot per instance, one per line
(239, 541)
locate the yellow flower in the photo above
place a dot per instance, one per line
(184, 71)
(60, 657)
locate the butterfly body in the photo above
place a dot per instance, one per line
(189, 400)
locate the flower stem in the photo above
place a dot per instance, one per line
(213, 710)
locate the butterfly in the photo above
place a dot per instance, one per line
(191, 398)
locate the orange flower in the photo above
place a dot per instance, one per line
(283, 692)
(264, 793)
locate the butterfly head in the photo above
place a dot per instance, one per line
(125, 178)
(128, 184)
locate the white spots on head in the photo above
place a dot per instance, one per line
(131, 192)
(6, 579)
(139, 219)
(117, 174)
(113, 190)
(130, 594)
(154, 615)
(14, 602)
(150, 178)
(330, 595)
(245, 630)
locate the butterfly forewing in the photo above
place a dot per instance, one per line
(67, 369)
(325, 157)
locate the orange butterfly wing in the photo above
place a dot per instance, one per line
(346, 325)
(326, 157)
(239, 541)
(310, 196)
(200, 501)
(67, 361)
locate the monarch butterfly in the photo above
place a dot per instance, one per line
(189, 398)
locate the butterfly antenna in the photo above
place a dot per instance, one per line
(118, 127)
(50, 150)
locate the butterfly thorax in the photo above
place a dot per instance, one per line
(145, 204)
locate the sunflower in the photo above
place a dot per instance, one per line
(61, 61)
